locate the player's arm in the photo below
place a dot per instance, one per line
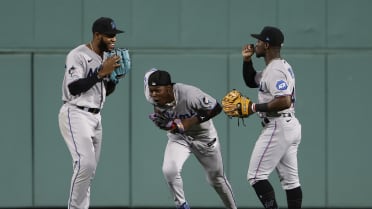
(201, 116)
(83, 84)
(110, 87)
(279, 103)
(249, 73)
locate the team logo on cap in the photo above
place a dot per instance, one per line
(206, 100)
(113, 26)
(281, 85)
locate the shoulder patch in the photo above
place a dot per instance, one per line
(206, 100)
(281, 85)
(71, 70)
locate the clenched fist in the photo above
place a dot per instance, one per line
(247, 52)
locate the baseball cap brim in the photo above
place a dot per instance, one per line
(258, 36)
(114, 32)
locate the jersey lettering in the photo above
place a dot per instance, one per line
(291, 72)
(187, 115)
(260, 88)
(91, 72)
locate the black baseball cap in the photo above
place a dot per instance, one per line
(159, 78)
(105, 25)
(271, 35)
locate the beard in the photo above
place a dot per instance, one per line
(102, 46)
(258, 55)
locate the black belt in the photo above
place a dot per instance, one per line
(276, 114)
(266, 120)
(211, 142)
(91, 110)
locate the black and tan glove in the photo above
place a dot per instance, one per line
(236, 105)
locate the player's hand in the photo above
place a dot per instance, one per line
(109, 65)
(247, 52)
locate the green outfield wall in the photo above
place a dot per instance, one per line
(327, 42)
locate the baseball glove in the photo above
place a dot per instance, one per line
(125, 64)
(236, 105)
(165, 122)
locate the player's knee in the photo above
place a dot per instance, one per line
(254, 178)
(215, 179)
(170, 172)
(88, 167)
(288, 184)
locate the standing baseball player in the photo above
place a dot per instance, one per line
(85, 86)
(186, 113)
(277, 145)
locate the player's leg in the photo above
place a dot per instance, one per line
(266, 194)
(264, 158)
(288, 167)
(175, 156)
(294, 198)
(76, 129)
(97, 142)
(288, 173)
(211, 160)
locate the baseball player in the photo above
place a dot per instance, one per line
(84, 90)
(277, 145)
(190, 129)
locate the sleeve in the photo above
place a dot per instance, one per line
(110, 87)
(205, 106)
(83, 84)
(74, 67)
(279, 84)
(75, 79)
(249, 74)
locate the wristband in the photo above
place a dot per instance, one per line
(253, 107)
(263, 107)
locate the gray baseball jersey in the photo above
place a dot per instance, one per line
(201, 140)
(277, 145)
(276, 80)
(188, 100)
(82, 62)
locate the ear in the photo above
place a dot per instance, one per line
(169, 89)
(96, 35)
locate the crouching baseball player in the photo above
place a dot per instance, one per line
(186, 113)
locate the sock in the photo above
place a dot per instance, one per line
(294, 198)
(184, 206)
(266, 194)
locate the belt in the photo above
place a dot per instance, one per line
(276, 114)
(211, 142)
(265, 120)
(91, 110)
